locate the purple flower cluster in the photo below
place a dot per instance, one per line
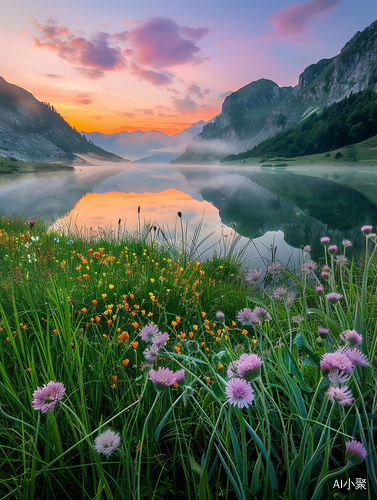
(220, 315)
(46, 398)
(151, 333)
(325, 240)
(274, 268)
(333, 297)
(335, 361)
(351, 338)
(367, 230)
(253, 275)
(164, 378)
(279, 292)
(239, 393)
(308, 267)
(251, 317)
(341, 260)
(249, 366)
(148, 332)
(355, 452)
(332, 249)
(323, 332)
(340, 395)
(346, 243)
(107, 442)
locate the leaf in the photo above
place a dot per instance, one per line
(301, 344)
(333, 326)
(255, 484)
(194, 464)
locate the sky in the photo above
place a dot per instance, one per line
(115, 65)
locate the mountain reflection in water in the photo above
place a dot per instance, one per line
(289, 208)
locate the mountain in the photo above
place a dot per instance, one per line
(31, 130)
(262, 109)
(138, 144)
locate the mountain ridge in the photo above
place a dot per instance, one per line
(262, 109)
(31, 130)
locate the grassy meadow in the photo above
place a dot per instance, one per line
(263, 387)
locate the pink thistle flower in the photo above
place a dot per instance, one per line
(249, 366)
(341, 260)
(337, 378)
(335, 361)
(325, 240)
(107, 442)
(151, 353)
(162, 378)
(160, 339)
(332, 249)
(45, 398)
(333, 297)
(220, 315)
(232, 369)
(279, 292)
(261, 314)
(346, 243)
(308, 267)
(323, 332)
(341, 395)
(253, 276)
(180, 377)
(274, 268)
(30, 223)
(351, 338)
(148, 332)
(297, 319)
(355, 452)
(367, 230)
(356, 357)
(246, 317)
(239, 392)
(319, 290)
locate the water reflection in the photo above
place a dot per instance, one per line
(286, 209)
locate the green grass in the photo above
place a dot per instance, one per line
(12, 166)
(366, 155)
(73, 312)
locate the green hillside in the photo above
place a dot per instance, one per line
(350, 121)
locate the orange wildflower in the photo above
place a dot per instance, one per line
(94, 302)
(101, 250)
(56, 332)
(134, 344)
(125, 362)
(204, 314)
(135, 324)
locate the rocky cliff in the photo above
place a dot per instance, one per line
(261, 109)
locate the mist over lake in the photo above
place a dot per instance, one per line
(283, 207)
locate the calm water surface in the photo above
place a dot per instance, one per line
(279, 207)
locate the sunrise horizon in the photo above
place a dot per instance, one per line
(163, 68)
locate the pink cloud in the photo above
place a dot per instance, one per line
(152, 76)
(173, 91)
(293, 19)
(194, 89)
(195, 34)
(185, 105)
(131, 22)
(206, 91)
(92, 57)
(158, 44)
(126, 114)
(145, 112)
(93, 74)
(52, 75)
(85, 102)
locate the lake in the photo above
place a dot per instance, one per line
(279, 208)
